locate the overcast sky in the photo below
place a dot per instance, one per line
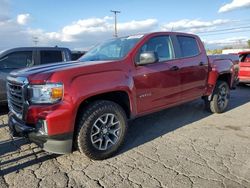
(81, 24)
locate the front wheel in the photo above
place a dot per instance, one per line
(220, 98)
(101, 129)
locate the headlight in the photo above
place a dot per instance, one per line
(45, 94)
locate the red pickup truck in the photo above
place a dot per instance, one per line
(87, 104)
(244, 73)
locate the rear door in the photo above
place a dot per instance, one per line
(10, 62)
(193, 67)
(245, 68)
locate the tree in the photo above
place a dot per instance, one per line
(248, 43)
(214, 51)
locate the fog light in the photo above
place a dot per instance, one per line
(42, 127)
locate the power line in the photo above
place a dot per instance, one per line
(242, 27)
(228, 29)
(209, 34)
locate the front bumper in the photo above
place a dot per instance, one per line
(59, 144)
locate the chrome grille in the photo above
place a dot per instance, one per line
(16, 96)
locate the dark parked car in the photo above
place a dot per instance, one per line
(18, 58)
(75, 55)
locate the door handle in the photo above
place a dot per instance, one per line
(174, 68)
(201, 64)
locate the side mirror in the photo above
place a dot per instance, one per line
(147, 58)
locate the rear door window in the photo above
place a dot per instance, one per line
(188, 46)
(51, 56)
(16, 60)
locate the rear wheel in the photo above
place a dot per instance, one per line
(220, 98)
(101, 129)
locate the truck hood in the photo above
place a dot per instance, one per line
(43, 72)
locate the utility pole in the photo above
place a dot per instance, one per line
(35, 40)
(115, 12)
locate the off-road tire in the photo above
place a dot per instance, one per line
(214, 104)
(86, 121)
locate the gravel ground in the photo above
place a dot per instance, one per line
(183, 146)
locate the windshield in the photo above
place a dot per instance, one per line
(114, 49)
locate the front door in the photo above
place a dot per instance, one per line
(157, 85)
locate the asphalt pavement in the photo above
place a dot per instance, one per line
(184, 146)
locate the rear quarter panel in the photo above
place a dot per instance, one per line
(219, 67)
